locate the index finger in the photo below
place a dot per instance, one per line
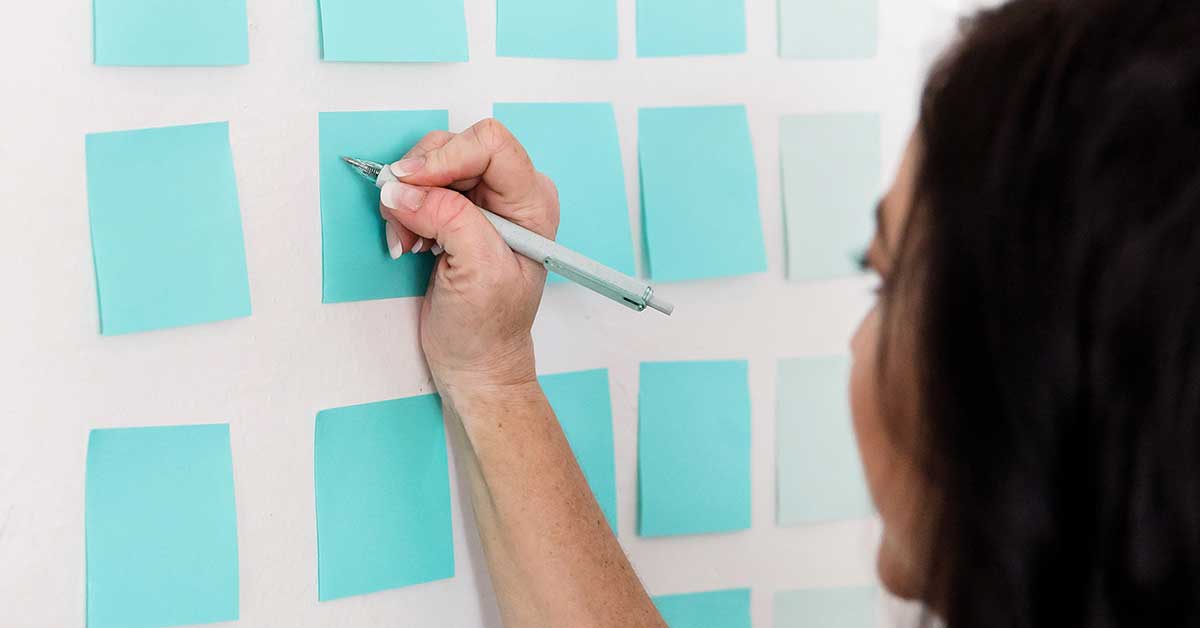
(486, 151)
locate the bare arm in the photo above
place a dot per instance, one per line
(552, 558)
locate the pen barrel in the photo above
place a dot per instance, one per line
(628, 291)
(583, 270)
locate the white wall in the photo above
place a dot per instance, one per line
(268, 375)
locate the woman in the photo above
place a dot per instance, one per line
(1026, 390)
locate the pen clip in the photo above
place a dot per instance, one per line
(588, 280)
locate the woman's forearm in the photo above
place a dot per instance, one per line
(553, 558)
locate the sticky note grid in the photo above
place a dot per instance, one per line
(160, 516)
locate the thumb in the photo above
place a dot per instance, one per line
(446, 216)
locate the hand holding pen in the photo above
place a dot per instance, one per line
(434, 196)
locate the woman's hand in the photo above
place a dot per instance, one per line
(482, 299)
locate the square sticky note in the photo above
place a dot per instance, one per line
(584, 410)
(693, 448)
(576, 145)
(392, 30)
(699, 193)
(557, 29)
(831, 182)
(354, 256)
(711, 609)
(383, 497)
(179, 32)
(819, 475)
(828, 608)
(161, 527)
(167, 251)
(668, 28)
(823, 29)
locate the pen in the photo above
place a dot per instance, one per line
(628, 291)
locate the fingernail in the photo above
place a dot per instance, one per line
(420, 243)
(436, 249)
(406, 167)
(397, 195)
(395, 246)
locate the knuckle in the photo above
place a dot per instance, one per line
(434, 139)
(448, 210)
(492, 134)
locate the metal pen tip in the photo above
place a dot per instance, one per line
(368, 169)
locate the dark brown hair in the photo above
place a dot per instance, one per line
(1053, 253)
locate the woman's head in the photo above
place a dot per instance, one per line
(1027, 390)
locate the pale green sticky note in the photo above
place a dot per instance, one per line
(699, 193)
(711, 609)
(693, 448)
(584, 410)
(383, 497)
(854, 607)
(831, 182)
(819, 474)
(557, 29)
(167, 251)
(161, 527)
(175, 32)
(667, 28)
(392, 30)
(576, 145)
(828, 29)
(354, 256)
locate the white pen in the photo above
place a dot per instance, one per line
(628, 291)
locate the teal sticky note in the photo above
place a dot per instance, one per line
(669, 28)
(699, 193)
(161, 527)
(710, 609)
(576, 145)
(832, 172)
(819, 476)
(179, 32)
(392, 30)
(354, 257)
(383, 497)
(693, 448)
(167, 251)
(584, 410)
(557, 29)
(821, 29)
(853, 607)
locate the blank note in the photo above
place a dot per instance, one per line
(354, 255)
(581, 401)
(831, 182)
(668, 28)
(392, 30)
(180, 32)
(711, 609)
(383, 497)
(827, 608)
(161, 528)
(167, 251)
(699, 193)
(826, 29)
(576, 145)
(693, 448)
(819, 475)
(557, 29)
